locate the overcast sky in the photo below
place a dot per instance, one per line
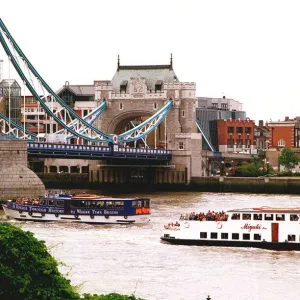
(245, 50)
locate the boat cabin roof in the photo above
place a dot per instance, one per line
(266, 209)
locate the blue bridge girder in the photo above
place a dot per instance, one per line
(70, 151)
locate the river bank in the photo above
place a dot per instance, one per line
(260, 185)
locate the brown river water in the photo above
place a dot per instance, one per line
(131, 259)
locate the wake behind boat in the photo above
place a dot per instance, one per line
(264, 227)
(82, 208)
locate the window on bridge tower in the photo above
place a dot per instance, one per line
(181, 145)
(154, 105)
(121, 105)
(158, 86)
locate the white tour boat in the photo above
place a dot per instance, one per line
(264, 227)
(82, 208)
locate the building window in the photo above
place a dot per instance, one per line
(248, 130)
(230, 130)
(123, 86)
(257, 237)
(224, 236)
(246, 236)
(291, 238)
(158, 86)
(239, 143)
(85, 112)
(247, 143)
(230, 143)
(183, 113)
(154, 105)
(235, 236)
(239, 130)
(203, 235)
(121, 106)
(224, 105)
(214, 105)
(281, 143)
(181, 145)
(213, 235)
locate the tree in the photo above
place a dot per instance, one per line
(27, 270)
(288, 158)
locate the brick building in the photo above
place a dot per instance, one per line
(236, 136)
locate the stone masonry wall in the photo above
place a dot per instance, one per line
(16, 179)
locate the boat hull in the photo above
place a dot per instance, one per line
(286, 246)
(78, 218)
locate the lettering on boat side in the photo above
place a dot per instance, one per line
(249, 227)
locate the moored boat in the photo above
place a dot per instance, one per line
(82, 208)
(263, 227)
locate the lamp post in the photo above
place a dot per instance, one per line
(222, 168)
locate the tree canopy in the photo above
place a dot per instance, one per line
(288, 158)
(29, 272)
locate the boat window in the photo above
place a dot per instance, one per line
(257, 217)
(235, 217)
(280, 217)
(246, 216)
(257, 237)
(294, 217)
(59, 203)
(51, 203)
(119, 204)
(224, 236)
(203, 235)
(83, 204)
(110, 204)
(137, 203)
(146, 203)
(100, 204)
(246, 236)
(291, 238)
(269, 217)
(42, 202)
(74, 203)
(213, 235)
(235, 236)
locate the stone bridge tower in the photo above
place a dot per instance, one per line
(137, 92)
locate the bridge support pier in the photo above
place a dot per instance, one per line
(17, 180)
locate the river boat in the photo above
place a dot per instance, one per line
(263, 227)
(81, 208)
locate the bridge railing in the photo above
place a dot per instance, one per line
(38, 148)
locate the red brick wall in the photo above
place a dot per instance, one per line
(223, 135)
(285, 133)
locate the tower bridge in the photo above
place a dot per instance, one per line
(141, 106)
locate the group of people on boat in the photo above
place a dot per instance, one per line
(25, 200)
(209, 216)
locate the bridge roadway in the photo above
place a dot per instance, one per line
(54, 150)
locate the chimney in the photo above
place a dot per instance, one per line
(261, 123)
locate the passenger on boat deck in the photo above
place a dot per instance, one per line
(209, 216)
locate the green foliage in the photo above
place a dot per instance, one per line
(253, 169)
(27, 270)
(288, 158)
(112, 296)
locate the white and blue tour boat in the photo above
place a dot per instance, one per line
(264, 227)
(82, 208)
